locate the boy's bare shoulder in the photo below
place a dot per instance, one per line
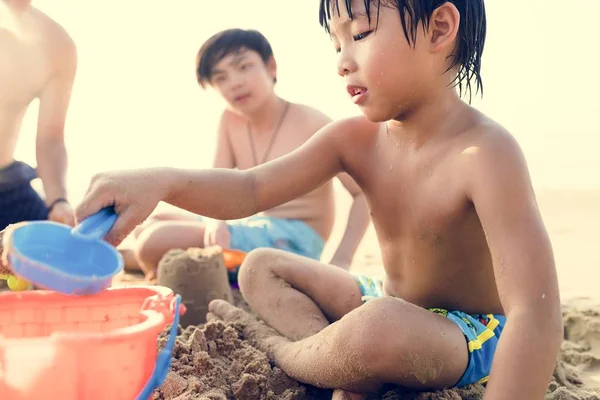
(228, 117)
(487, 138)
(314, 120)
(56, 36)
(310, 121)
(231, 122)
(306, 120)
(490, 149)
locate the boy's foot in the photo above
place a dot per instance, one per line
(340, 394)
(151, 277)
(262, 336)
(257, 333)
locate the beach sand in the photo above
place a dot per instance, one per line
(219, 361)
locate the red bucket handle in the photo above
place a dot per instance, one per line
(164, 305)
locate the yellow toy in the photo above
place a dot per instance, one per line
(14, 283)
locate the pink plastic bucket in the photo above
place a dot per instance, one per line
(103, 346)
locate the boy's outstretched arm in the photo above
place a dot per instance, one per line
(357, 224)
(499, 186)
(217, 193)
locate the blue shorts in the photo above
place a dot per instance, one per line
(481, 331)
(18, 200)
(261, 231)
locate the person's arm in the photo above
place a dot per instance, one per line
(216, 231)
(224, 157)
(54, 99)
(232, 194)
(500, 189)
(219, 193)
(356, 226)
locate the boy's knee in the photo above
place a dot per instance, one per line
(260, 264)
(257, 261)
(147, 244)
(369, 336)
(359, 339)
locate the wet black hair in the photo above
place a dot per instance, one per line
(471, 32)
(226, 42)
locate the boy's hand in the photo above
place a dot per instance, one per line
(4, 269)
(5, 244)
(63, 213)
(133, 193)
(217, 233)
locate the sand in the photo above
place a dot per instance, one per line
(216, 361)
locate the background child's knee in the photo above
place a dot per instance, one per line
(148, 249)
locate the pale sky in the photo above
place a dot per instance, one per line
(136, 102)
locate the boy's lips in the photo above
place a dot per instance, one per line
(241, 98)
(358, 93)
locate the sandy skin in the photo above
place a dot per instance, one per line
(323, 360)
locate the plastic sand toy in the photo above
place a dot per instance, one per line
(68, 260)
(233, 261)
(233, 258)
(102, 346)
(14, 283)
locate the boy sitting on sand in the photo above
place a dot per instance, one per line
(258, 126)
(470, 292)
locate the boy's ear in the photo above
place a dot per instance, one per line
(272, 68)
(443, 27)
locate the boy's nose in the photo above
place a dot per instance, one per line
(345, 65)
(235, 81)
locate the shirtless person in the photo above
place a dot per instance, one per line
(37, 60)
(470, 292)
(257, 126)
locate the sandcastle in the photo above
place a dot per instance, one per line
(199, 276)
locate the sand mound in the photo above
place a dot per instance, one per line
(215, 361)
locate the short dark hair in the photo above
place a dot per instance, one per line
(226, 42)
(471, 32)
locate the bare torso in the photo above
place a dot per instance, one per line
(26, 65)
(429, 232)
(316, 208)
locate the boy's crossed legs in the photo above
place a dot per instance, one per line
(165, 231)
(332, 339)
(158, 234)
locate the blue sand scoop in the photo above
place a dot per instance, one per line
(69, 260)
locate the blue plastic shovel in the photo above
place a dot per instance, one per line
(73, 261)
